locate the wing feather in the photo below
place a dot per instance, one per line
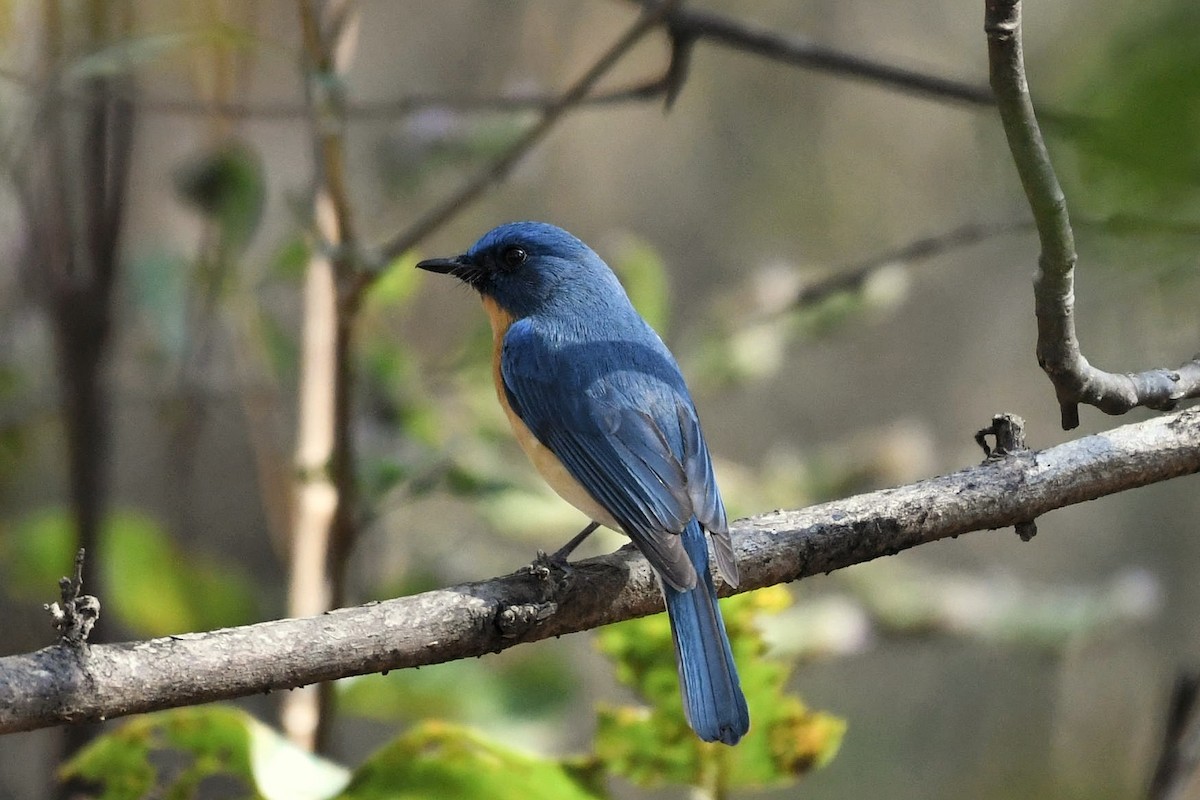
(618, 416)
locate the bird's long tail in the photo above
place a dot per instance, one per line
(712, 695)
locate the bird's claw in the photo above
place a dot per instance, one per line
(515, 621)
(552, 571)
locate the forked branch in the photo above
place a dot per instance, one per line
(1075, 380)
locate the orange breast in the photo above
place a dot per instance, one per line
(544, 461)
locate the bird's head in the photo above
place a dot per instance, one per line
(526, 266)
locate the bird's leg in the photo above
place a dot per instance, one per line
(554, 577)
(560, 556)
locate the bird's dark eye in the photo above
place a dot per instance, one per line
(514, 257)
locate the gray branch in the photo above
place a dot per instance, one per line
(799, 51)
(687, 23)
(1075, 380)
(63, 685)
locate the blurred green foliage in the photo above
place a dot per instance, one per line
(1138, 154)
(215, 741)
(391, 378)
(904, 598)
(154, 587)
(779, 306)
(1130, 164)
(227, 185)
(644, 275)
(520, 686)
(655, 745)
(434, 759)
(440, 760)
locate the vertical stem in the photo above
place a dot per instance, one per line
(324, 525)
(81, 178)
(310, 588)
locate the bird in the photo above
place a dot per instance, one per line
(599, 404)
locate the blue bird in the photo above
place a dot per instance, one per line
(598, 404)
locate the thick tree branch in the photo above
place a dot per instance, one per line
(57, 684)
(1075, 380)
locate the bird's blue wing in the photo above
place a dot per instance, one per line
(618, 416)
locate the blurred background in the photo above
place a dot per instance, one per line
(180, 203)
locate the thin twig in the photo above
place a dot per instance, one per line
(684, 25)
(853, 278)
(360, 111)
(800, 51)
(1075, 380)
(498, 169)
(76, 613)
(469, 620)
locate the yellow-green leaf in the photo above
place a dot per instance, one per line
(441, 760)
(654, 745)
(127, 763)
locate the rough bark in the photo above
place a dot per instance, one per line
(63, 684)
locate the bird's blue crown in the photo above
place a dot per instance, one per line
(535, 267)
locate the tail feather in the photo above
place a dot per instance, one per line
(712, 695)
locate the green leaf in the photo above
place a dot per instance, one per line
(217, 741)
(394, 388)
(128, 54)
(655, 745)
(441, 760)
(644, 276)
(228, 186)
(131, 52)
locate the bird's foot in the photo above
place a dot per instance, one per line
(552, 573)
(552, 576)
(548, 580)
(515, 621)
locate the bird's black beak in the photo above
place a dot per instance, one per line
(445, 266)
(462, 267)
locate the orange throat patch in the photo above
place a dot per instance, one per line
(544, 461)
